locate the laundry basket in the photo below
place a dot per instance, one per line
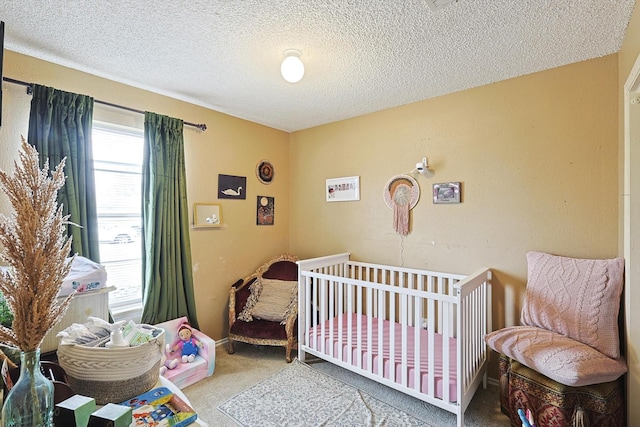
(113, 375)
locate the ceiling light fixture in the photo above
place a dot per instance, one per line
(292, 68)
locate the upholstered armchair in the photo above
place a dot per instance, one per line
(263, 307)
(564, 363)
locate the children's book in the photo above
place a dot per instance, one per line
(160, 407)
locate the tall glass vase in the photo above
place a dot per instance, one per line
(30, 400)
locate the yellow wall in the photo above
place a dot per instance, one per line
(229, 146)
(537, 157)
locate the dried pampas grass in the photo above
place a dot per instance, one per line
(36, 246)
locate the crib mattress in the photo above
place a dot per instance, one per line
(315, 339)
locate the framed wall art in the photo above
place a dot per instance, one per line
(343, 189)
(207, 215)
(265, 172)
(232, 187)
(448, 192)
(265, 210)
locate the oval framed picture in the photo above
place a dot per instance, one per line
(265, 172)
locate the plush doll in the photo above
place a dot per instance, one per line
(188, 345)
(166, 363)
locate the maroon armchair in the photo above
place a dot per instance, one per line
(277, 278)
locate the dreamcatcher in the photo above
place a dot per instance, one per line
(401, 193)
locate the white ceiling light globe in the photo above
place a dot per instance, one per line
(292, 68)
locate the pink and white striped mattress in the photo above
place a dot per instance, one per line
(315, 340)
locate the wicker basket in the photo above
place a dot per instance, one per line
(112, 375)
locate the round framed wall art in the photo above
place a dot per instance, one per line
(265, 172)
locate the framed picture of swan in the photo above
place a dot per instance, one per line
(207, 215)
(232, 187)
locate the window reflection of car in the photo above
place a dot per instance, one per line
(117, 234)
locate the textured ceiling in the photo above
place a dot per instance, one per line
(360, 56)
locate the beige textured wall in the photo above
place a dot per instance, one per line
(537, 157)
(229, 146)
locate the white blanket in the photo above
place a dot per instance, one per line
(84, 276)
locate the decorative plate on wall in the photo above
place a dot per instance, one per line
(265, 172)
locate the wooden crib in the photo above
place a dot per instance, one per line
(419, 332)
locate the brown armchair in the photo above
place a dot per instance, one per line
(281, 332)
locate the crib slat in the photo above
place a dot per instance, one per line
(465, 347)
(392, 337)
(340, 320)
(404, 320)
(445, 355)
(359, 326)
(350, 303)
(440, 288)
(453, 317)
(316, 313)
(431, 329)
(332, 314)
(369, 295)
(323, 314)
(381, 302)
(473, 329)
(417, 347)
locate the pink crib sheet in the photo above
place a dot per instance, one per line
(315, 341)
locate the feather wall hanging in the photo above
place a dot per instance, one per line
(401, 193)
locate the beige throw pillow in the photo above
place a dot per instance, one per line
(577, 298)
(272, 300)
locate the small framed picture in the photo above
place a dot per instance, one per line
(232, 187)
(207, 215)
(448, 192)
(265, 210)
(343, 189)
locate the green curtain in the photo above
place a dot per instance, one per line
(60, 126)
(167, 286)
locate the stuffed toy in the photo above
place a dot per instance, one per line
(188, 345)
(166, 363)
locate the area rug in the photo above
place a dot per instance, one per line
(301, 396)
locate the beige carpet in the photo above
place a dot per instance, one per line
(251, 365)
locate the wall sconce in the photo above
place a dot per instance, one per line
(422, 167)
(292, 68)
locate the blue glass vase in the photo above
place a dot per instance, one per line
(30, 400)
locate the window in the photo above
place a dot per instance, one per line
(118, 152)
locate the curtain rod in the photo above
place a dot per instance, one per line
(29, 86)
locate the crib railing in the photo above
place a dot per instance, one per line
(450, 305)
